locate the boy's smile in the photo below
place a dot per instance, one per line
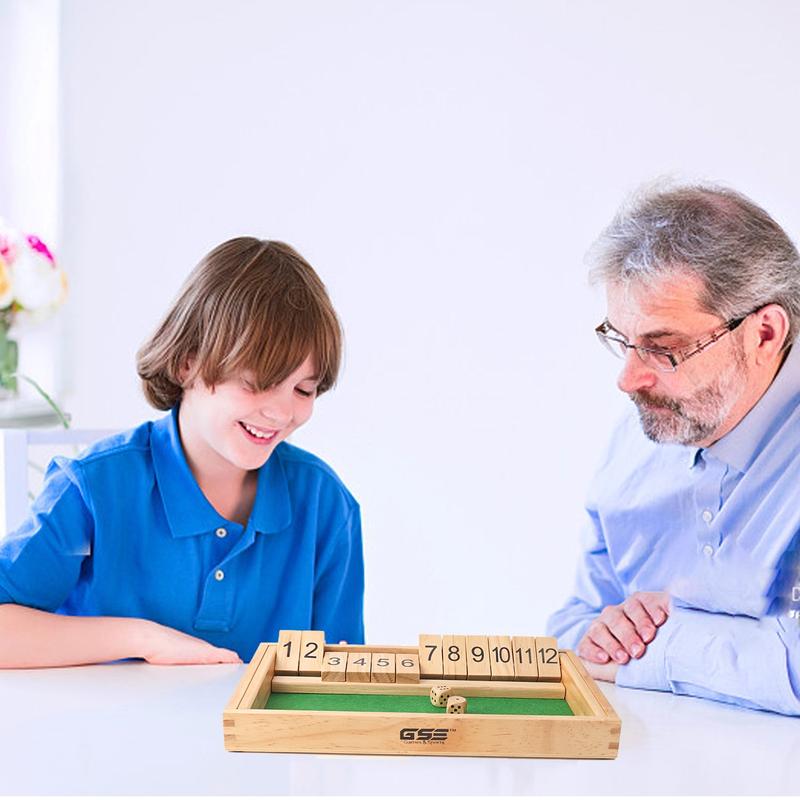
(258, 435)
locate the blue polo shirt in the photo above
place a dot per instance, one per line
(125, 530)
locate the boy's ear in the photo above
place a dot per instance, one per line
(185, 370)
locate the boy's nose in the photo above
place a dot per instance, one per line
(277, 410)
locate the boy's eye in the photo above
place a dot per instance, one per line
(305, 392)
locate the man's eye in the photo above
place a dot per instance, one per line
(669, 347)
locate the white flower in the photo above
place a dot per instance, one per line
(6, 284)
(36, 280)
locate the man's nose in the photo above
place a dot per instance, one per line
(635, 375)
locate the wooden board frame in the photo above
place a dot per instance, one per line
(593, 731)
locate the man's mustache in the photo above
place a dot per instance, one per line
(643, 400)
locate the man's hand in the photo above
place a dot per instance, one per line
(602, 672)
(623, 632)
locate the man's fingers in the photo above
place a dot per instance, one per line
(623, 630)
(656, 604)
(601, 636)
(641, 619)
(589, 651)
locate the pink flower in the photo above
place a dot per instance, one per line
(8, 249)
(37, 244)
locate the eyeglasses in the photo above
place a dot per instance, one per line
(661, 358)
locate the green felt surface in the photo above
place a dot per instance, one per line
(414, 704)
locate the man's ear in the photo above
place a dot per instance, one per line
(770, 331)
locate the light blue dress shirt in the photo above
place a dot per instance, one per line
(718, 528)
(125, 530)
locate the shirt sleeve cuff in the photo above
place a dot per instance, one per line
(649, 671)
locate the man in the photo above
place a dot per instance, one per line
(688, 582)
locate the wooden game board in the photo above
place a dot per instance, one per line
(311, 708)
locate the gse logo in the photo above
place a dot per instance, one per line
(424, 734)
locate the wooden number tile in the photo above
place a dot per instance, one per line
(430, 656)
(547, 659)
(383, 669)
(501, 659)
(454, 657)
(525, 662)
(407, 668)
(288, 656)
(312, 647)
(359, 665)
(478, 668)
(334, 666)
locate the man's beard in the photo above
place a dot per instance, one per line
(695, 418)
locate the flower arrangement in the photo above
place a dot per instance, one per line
(32, 287)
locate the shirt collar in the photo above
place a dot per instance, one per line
(739, 447)
(188, 511)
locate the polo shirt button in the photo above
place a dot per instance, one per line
(222, 533)
(707, 516)
(708, 550)
(219, 575)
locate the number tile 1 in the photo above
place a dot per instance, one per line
(548, 660)
(501, 658)
(288, 656)
(454, 660)
(407, 668)
(312, 646)
(383, 668)
(430, 656)
(478, 668)
(334, 666)
(525, 662)
(359, 665)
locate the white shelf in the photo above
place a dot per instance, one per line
(25, 412)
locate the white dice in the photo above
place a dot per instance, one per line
(440, 695)
(457, 705)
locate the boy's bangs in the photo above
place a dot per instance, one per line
(271, 354)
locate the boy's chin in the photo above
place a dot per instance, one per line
(252, 460)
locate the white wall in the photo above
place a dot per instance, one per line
(29, 153)
(444, 165)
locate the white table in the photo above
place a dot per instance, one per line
(132, 728)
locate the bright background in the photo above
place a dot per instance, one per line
(444, 166)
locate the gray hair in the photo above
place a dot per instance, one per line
(743, 257)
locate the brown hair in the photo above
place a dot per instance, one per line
(248, 305)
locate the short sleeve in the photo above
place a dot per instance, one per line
(41, 561)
